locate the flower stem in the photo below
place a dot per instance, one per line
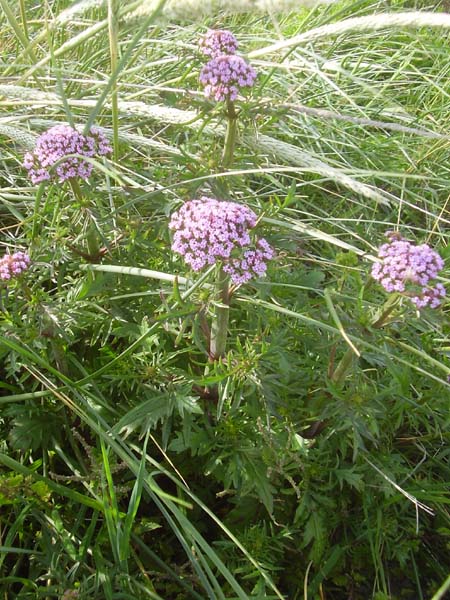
(77, 191)
(387, 309)
(346, 362)
(341, 371)
(38, 211)
(230, 137)
(92, 240)
(219, 325)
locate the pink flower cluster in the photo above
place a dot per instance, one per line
(209, 230)
(252, 262)
(407, 268)
(223, 77)
(54, 146)
(11, 265)
(225, 74)
(218, 41)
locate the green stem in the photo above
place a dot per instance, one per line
(390, 304)
(343, 367)
(219, 325)
(76, 189)
(92, 241)
(230, 137)
(91, 232)
(37, 212)
(23, 16)
(346, 361)
(113, 29)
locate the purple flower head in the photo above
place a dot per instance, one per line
(223, 77)
(252, 263)
(209, 230)
(217, 42)
(55, 144)
(408, 269)
(11, 265)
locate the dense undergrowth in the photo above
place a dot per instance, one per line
(309, 459)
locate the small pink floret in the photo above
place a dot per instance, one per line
(225, 75)
(216, 42)
(11, 265)
(404, 266)
(208, 230)
(54, 146)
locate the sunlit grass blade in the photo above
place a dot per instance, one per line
(121, 64)
(133, 505)
(113, 32)
(365, 23)
(111, 511)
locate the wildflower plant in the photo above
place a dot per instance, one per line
(216, 42)
(12, 265)
(209, 232)
(60, 156)
(52, 157)
(408, 269)
(223, 78)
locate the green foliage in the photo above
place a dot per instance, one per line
(311, 459)
(13, 487)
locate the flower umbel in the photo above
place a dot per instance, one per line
(11, 265)
(408, 269)
(218, 41)
(224, 76)
(252, 263)
(55, 145)
(209, 230)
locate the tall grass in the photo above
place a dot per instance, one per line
(310, 460)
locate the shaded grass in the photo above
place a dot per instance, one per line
(107, 361)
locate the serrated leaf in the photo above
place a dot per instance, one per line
(316, 534)
(312, 279)
(187, 404)
(32, 429)
(147, 414)
(257, 476)
(351, 477)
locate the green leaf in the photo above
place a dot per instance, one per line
(257, 475)
(146, 415)
(351, 477)
(124, 543)
(32, 428)
(41, 489)
(316, 534)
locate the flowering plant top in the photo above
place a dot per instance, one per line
(11, 265)
(408, 269)
(54, 146)
(208, 230)
(218, 41)
(224, 76)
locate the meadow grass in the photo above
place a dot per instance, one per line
(307, 458)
